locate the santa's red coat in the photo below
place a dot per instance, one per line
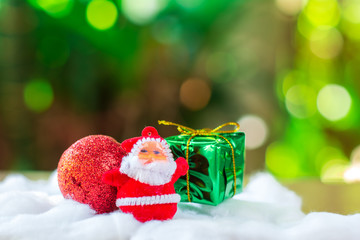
(128, 188)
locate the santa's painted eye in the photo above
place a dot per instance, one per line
(156, 152)
(143, 151)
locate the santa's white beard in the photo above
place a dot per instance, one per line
(155, 173)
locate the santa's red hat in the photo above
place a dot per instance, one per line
(132, 146)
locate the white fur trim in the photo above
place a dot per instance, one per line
(154, 174)
(148, 200)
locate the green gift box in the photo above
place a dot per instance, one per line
(212, 156)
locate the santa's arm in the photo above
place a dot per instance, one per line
(114, 178)
(181, 168)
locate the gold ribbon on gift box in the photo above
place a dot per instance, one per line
(203, 132)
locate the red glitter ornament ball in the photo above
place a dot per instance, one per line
(81, 167)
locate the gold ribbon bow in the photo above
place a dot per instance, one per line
(202, 132)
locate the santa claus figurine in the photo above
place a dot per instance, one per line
(146, 177)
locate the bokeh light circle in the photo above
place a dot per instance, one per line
(56, 8)
(255, 129)
(351, 10)
(333, 171)
(300, 101)
(333, 102)
(195, 94)
(101, 14)
(282, 160)
(351, 19)
(327, 154)
(289, 7)
(38, 95)
(142, 11)
(326, 42)
(323, 13)
(352, 173)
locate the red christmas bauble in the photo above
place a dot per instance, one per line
(81, 167)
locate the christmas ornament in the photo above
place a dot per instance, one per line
(146, 177)
(81, 167)
(216, 161)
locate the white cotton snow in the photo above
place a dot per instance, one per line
(265, 210)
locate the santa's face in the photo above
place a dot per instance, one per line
(151, 152)
(151, 165)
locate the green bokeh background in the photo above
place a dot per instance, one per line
(69, 69)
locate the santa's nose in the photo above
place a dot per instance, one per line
(149, 160)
